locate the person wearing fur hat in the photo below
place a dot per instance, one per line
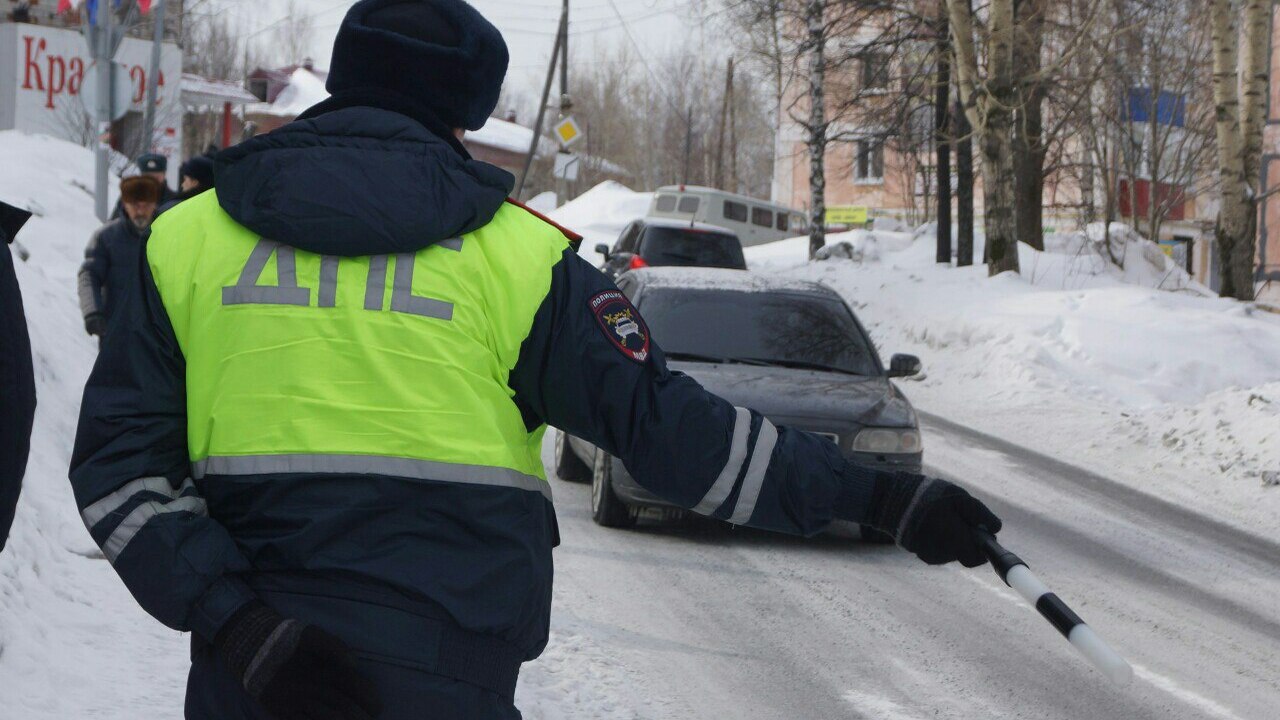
(155, 166)
(17, 379)
(320, 449)
(114, 251)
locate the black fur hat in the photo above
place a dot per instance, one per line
(442, 54)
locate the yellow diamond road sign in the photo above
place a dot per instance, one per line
(568, 132)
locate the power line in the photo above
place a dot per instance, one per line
(643, 61)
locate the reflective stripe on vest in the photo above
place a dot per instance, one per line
(392, 365)
(369, 465)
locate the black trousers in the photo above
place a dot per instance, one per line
(17, 392)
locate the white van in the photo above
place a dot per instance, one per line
(753, 221)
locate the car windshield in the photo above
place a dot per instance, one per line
(786, 329)
(691, 247)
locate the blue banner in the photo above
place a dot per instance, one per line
(1168, 108)
(91, 6)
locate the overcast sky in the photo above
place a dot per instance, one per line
(660, 27)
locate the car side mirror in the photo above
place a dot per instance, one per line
(901, 366)
(603, 250)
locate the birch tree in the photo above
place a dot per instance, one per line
(989, 104)
(815, 46)
(1240, 83)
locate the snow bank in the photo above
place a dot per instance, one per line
(544, 202)
(600, 214)
(1172, 391)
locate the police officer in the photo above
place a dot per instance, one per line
(156, 167)
(17, 381)
(317, 443)
(112, 255)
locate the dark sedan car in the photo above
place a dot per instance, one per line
(792, 350)
(655, 242)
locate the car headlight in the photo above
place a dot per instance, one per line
(887, 441)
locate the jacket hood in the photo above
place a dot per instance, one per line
(357, 181)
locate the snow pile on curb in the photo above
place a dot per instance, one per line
(600, 215)
(72, 641)
(1173, 392)
(1138, 261)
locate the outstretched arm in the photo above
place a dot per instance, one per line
(697, 450)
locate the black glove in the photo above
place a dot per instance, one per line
(295, 670)
(932, 518)
(95, 324)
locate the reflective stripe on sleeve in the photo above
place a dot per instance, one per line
(134, 522)
(751, 484)
(99, 510)
(723, 485)
(370, 465)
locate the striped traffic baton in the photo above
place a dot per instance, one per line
(1015, 573)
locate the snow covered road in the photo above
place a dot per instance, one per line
(696, 620)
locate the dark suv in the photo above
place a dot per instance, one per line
(652, 242)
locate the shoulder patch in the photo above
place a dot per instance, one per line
(621, 323)
(574, 238)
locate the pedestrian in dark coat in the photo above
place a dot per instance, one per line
(197, 177)
(114, 251)
(17, 381)
(155, 166)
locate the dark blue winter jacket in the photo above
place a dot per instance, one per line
(357, 181)
(110, 267)
(17, 382)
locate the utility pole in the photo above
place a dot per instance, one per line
(942, 139)
(688, 143)
(100, 44)
(566, 103)
(153, 82)
(104, 38)
(561, 36)
(733, 131)
(724, 124)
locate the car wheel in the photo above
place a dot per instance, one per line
(568, 465)
(607, 509)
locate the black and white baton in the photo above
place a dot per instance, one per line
(1018, 576)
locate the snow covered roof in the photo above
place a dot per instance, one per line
(199, 90)
(512, 137)
(698, 278)
(305, 89)
(505, 135)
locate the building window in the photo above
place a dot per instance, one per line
(869, 164)
(761, 217)
(875, 71)
(735, 211)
